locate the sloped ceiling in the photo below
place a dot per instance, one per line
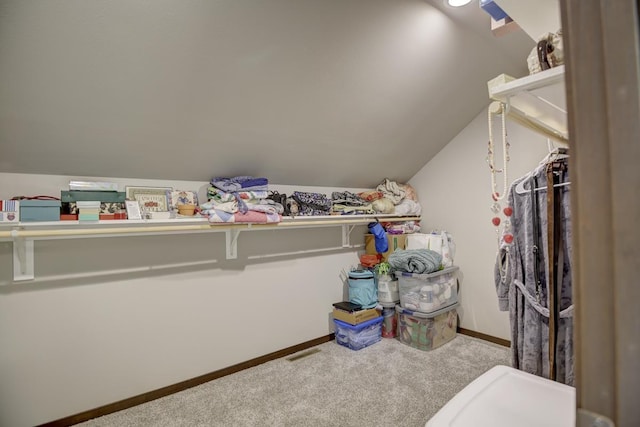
(308, 92)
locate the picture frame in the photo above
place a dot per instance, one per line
(151, 199)
(181, 197)
(133, 209)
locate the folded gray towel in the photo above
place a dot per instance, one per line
(419, 261)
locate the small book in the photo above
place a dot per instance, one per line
(347, 306)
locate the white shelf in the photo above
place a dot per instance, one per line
(25, 233)
(536, 101)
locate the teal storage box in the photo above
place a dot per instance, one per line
(39, 210)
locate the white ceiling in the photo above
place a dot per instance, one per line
(309, 92)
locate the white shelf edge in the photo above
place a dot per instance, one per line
(24, 234)
(534, 81)
(531, 110)
(6, 229)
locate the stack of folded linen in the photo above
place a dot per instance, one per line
(402, 196)
(241, 199)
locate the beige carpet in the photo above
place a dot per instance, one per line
(386, 384)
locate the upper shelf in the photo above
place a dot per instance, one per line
(23, 234)
(76, 229)
(536, 101)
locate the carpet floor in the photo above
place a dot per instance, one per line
(386, 384)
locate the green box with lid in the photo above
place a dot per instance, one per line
(100, 196)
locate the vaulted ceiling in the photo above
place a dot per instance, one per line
(308, 92)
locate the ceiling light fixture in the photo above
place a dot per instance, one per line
(458, 3)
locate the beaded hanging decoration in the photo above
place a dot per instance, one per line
(496, 208)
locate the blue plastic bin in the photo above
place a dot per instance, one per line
(359, 336)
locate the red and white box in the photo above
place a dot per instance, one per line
(9, 211)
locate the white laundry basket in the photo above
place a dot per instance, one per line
(506, 397)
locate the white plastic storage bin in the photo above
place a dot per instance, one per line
(427, 331)
(428, 292)
(388, 289)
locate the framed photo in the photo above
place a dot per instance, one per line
(179, 197)
(151, 199)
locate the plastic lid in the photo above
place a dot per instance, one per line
(361, 274)
(362, 325)
(506, 397)
(428, 275)
(422, 315)
(387, 304)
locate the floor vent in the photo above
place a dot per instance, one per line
(303, 354)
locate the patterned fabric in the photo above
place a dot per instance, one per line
(409, 192)
(240, 197)
(370, 196)
(352, 210)
(229, 207)
(347, 198)
(240, 183)
(280, 199)
(405, 227)
(312, 203)
(292, 206)
(219, 217)
(222, 196)
(517, 291)
(105, 208)
(304, 210)
(266, 206)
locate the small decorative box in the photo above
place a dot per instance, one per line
(105, 208)
(9, 211)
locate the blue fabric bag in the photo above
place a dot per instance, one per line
(380, 236)
(362, 288)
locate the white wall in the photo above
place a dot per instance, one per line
(455, 192)
(92, 87)
(110, 318)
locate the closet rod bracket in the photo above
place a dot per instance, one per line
(231, 238)
(23, 260)
(346, 235)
